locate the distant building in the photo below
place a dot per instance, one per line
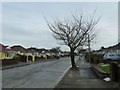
(65, 53)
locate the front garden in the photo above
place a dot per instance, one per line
(104, 68)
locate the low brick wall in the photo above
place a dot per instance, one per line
(100, 73)
(38, 58)
(108, 61)
(119, 74)
(9, 62)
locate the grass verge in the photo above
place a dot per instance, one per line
(105, 68)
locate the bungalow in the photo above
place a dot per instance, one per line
(110, 49)
(6, 53)
(46, 54)
(115, 48)
(65, 53)
(20, 49)
(118, 48)
(32, 51)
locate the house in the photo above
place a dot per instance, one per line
(48, 52)
(6, 53)
(65, 53)
(40, 52)
(117, 48)
(114, 48)
(32, 51)
(110, 49)
(20, 49)
(3, 46)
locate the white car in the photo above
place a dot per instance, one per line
(111, 56)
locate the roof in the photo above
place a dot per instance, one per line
(31, 49)
(47, 51)
(7, 50)
(2, 46)
(18, 48)
(114, 47)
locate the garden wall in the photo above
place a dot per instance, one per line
(9, 62)
(100, 73)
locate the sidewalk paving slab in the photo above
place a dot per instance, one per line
(85, 77)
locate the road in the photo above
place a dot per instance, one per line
(38, 75)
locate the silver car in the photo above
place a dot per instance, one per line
(111, 56)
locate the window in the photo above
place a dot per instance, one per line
(8, 54)
(111, 54)
(118, 54)
(0, 54)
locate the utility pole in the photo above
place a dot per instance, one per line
(89, 48)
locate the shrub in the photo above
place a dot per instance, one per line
(87, 56)
(21, 58)
(17, 57)
(38, 58)
(93, 57)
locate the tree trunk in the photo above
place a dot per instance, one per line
(72, 58)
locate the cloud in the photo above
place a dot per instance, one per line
(108, 34)
(23, 23)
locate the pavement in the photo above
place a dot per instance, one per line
(85, 77)
(38, 75)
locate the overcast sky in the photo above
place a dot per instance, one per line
(24, 24)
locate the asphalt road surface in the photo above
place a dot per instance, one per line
(38, 75)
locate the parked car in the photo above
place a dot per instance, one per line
(111, 56)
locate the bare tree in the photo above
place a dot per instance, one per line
(74, 32)
(56, 49)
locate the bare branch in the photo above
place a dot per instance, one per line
(73, 32)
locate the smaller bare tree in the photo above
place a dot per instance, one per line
(56, 49)
(74, 32)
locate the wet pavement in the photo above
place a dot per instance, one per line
(39, 75)
(85, 77)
